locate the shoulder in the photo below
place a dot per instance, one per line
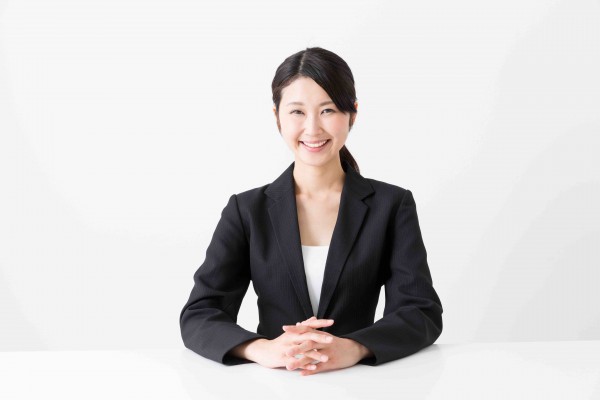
(389, 192)
(252, 201)
(253, 195)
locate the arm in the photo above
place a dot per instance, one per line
(208, 319)
(412, 317)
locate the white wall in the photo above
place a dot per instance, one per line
(126, 125)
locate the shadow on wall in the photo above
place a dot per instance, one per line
(533, 271)
(17, 333)
(546, 285)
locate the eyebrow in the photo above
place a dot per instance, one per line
(299, 103)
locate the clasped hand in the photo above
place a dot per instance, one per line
(303, 346)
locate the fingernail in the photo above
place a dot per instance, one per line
(329, 338)
(324, 358)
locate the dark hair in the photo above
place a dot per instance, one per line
(330, 72)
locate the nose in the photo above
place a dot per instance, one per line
(312, 124)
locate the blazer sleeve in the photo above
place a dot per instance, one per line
(208, 319)
(412, 317)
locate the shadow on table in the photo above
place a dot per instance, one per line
(414, 375)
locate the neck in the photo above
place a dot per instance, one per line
(313, 180)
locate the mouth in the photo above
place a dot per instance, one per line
(315, 145)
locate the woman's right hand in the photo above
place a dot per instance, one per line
(281, 351)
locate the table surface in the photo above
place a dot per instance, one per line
(513, 370)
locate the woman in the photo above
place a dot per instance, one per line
(318, 243)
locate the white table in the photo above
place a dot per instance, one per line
(524, 370)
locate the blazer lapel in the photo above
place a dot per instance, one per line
(284, 219)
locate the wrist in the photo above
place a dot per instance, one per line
(363, 351)
(247, 350)
(252, 349)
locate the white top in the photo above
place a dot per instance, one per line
(314, 268)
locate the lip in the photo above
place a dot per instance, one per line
(312, 149)
(313, 141)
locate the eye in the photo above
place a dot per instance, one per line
(294, 112)
(329, 109)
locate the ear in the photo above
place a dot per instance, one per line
(277, 119)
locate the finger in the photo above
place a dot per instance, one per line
(312, 322)
(316, 355)
(301, 361)
(301, 348)
(304, 333)
(299, 328)
(309, 367)
(309, 371)
(296, 328)
(305, 321)
(313, 353)
(317, 323)
(320, 367)
(316, 337)
(314, 369)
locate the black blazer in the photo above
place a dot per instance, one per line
(376, 241)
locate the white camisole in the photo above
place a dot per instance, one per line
(314, 268)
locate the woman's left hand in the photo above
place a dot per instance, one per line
(341, 352)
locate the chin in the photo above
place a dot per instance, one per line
(314, 163)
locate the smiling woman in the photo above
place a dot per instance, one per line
(314, 100)
(314, 130)
(318, 243)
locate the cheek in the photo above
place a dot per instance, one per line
(290, 125)
(289, 133)
(339, 126)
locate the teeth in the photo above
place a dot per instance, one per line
(315, 144)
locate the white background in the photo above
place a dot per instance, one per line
(125, 125)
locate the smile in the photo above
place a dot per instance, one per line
(316, 145)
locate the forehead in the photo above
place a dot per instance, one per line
(304, 90)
